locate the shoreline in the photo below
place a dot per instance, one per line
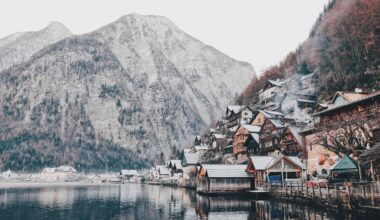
(10, 185)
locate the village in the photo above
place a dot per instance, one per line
(289, 145)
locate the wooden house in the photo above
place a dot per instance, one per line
(291, 143)
(367, 109)
(236, 115)
(308, 80)
(241, 136)
(345, 108)
(220, 178)
(270, 90)
(275, 169)
(219, 141)
(261, 115)
(270, 134)
(343, 97)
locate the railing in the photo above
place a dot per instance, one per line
(348, 194)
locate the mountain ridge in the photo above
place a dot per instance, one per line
(142, 88)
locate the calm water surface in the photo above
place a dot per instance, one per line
(132, 201)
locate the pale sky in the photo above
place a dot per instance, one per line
(260, 32)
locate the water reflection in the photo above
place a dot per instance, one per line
(141, 202)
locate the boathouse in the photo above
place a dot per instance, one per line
(220, 178)
(280, 168)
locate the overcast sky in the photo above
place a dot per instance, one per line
(260, 32)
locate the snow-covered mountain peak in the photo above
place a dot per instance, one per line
(19, 47)
(57, 27)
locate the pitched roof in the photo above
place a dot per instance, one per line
(235, 108)
(297, 161)
(308, 75)
(264, 162)
(305, 101)
(271, 114)
(350, 96)
(295, 130)
(277, 83)
(129, 172)
(345, 163)
(163, 170)
(226, 171)
(175, 163)
(256, 137)
(277, 123)
(190, 158)
(261, 162)
(371, 96)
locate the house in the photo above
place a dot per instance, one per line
(270, 91)
(58, 174)
(291, 142)
(128, 173)
(371, 159)
(175, 167)
(365, 111)
(189, 167)
(306, 104)
(270, 134)
(245, 131)
(275, 169)
(236, 115)
(220, 178)
(219, 141)
(343, 97)
(308, 80)
(261, 115)
(345, 169)
(163, 172)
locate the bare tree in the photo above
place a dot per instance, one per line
(347, 138)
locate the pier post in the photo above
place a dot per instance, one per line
(336, 191)
(363, 187)
(372, 197)
(313, 191)
(291, 190)
(328, 192)
(320, 192)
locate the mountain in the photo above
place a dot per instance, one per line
(343, 47)
(125, 95)
(19, 47)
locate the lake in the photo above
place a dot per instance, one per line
(134, 201)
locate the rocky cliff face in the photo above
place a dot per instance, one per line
(116, 97)
(19, 47)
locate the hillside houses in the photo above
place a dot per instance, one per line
(278, 139)
(246, 139)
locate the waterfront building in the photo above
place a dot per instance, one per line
(220, 178)
(345, 113)
(128, 173)
(58, 174)
(280, 168)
